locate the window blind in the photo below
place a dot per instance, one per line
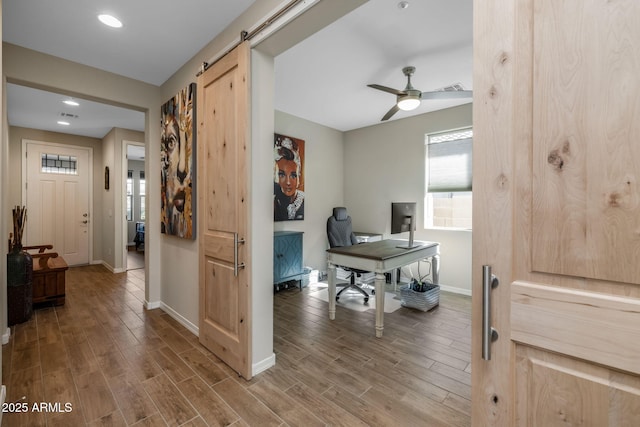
(450, 162)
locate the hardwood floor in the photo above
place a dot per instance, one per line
(101, 359)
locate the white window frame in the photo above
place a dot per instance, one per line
(142, 191)
(462, 223)
(130, 204)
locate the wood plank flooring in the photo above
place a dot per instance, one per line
(102, 360)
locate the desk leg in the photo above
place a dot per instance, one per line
(435, 269)
(380, 288)
(332, 291)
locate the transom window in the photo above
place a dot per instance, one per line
(59, 164)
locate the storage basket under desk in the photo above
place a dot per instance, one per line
(423, 301)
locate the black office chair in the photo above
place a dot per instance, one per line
(340, 233)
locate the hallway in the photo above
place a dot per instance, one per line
(105, 360)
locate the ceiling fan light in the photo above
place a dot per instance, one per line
(408, 103)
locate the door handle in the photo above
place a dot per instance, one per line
(236, 241)
(489, 334)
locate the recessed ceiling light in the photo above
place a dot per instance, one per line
(110, 20)
(403, 5)
(71, 102)
(63, 123)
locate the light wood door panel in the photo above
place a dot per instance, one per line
(557, 212)
(553, 390)
(586, 203)
(223, 135)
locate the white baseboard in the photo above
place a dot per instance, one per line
(451, 289)
(152, 305)
(455, 290)
(96, 262)
(6, 336)
(107, 266)
(180, 319)
(263, 365)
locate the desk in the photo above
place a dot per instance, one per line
(379, 257)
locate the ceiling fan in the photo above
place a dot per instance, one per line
(409, 98)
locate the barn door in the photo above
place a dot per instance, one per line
(223, 135)
(556, 243)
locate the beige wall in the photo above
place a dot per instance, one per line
(324, 183)
(114, 150)
(386, 164)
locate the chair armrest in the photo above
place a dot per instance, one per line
(43, 259)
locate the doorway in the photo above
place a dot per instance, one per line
(135, 205)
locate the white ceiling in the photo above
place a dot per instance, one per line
(322, 79)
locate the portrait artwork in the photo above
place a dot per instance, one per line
(288, 185)
(178, 148)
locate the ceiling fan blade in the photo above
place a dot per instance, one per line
(447, 94)
(391, 112)
(388, 89)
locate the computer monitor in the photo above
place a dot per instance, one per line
(403, 218)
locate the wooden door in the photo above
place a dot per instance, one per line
(557, 212)
(57, 199)
(223, 138)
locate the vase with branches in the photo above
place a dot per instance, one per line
(19, 221)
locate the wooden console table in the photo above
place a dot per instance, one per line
(379, 257)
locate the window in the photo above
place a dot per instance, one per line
(130, 195)
(142, 184)
(59, 164)
(448, 198)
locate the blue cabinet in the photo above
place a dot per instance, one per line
(287, 257)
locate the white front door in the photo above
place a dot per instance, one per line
(57, 199)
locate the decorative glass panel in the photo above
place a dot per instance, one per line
(59, 164)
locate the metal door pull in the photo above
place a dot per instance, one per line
(489, 334)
